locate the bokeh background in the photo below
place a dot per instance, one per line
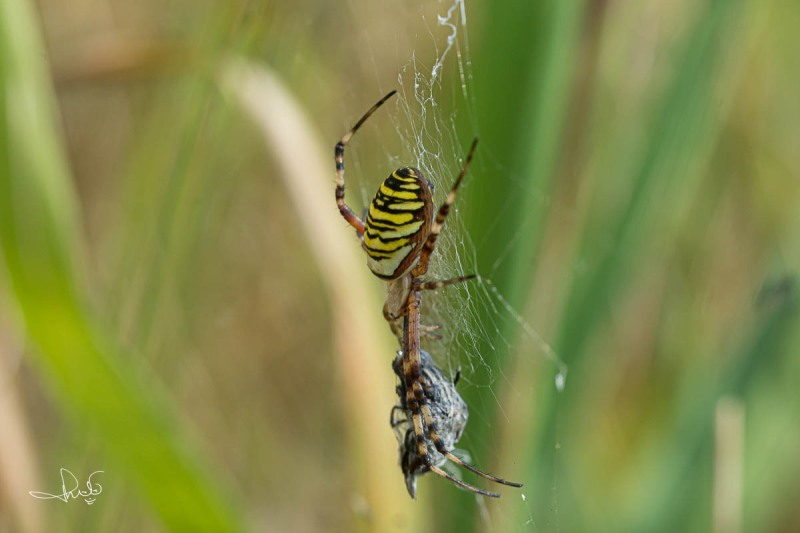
(182, 307)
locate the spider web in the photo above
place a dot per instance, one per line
(435, 120)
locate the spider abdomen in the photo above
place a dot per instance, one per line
(398, 222)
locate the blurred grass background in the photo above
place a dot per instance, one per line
(168, 317)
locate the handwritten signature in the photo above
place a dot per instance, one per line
(69, 480)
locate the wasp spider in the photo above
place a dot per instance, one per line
(399, 235)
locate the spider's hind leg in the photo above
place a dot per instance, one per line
(431, 390)
(442, 449)
(421, 414)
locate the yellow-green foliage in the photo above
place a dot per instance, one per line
(183, 309)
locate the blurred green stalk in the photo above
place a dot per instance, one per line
(42, 250)
(524, 65)
(523, 69)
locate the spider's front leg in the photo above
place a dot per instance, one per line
(338, 154)
(441, 215)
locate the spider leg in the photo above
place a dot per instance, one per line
(417, 404)
(395, 324)
(437, 441)
(419, 413)
(348, 214)
(393, 420)
(422, 449)
(441, 216)
(427, 330)
(395, 320)
(438, 284)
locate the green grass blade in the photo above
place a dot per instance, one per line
(524, 66)
(679, 132)
(42, 252)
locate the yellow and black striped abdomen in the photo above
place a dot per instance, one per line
(398, 222)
